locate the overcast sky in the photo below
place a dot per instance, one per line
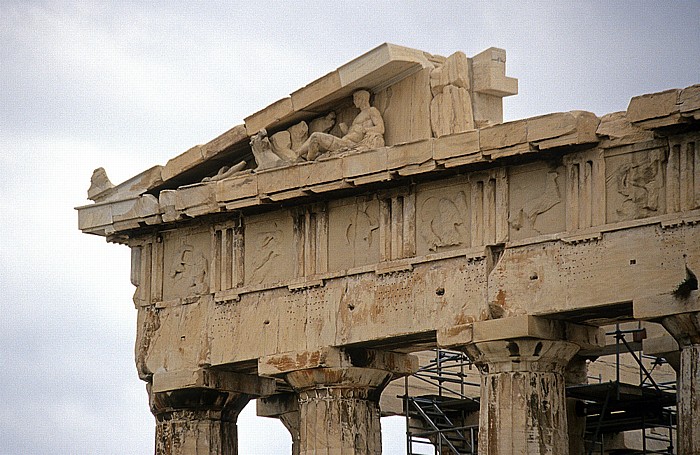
(129, 85)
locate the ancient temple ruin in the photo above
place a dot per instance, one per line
(305, 257)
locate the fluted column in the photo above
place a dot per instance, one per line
(196, 411)
(680, 316)
(523, 398)
(197, 422)
(338, 395)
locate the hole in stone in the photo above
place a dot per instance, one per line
(633, 261)
(534, 276)
(440, 291)
(182, 338)
(351, 306)
(266, 322)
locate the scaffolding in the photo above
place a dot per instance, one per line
(445, 421)
(438, 423)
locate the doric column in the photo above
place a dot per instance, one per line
(680, 316)
(196, 411)
(522, 360)
(286, 408)
(576, 373)
(338, 394)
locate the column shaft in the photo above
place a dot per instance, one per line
(339, 410)
(689, 401)
(197, 421)
(523, 400)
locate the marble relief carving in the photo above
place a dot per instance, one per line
(636, 184)
(189, 271)
(532, 208)
(353, 233)
(444, 221)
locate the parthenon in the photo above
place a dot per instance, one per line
(306, 258)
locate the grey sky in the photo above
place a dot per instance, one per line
(132, 84)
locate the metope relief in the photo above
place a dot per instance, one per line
(635, 185)
(443, 218)
(536, 201)
(186, 271)
(353, 232)
(269, 248)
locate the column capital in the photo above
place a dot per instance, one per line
(521, 327)
(279, 365)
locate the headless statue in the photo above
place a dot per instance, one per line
(366, 131)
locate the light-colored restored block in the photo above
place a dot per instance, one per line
(166, 201)
(182, 162)
(269, 116)
(489, 73)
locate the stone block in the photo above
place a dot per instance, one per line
(183, 162)
(386, 64)
(320, 171)
(363, 163)
(455, 336)
(237, 187)
(517, 327)
(278, 179)
(197, 199)
(460, 144)
(489, 73)
(451, 111)
(94, 216)
(233, 136)
(454, 71)
(503, 135)
(331, 357)
(410, 153)
(550, 125)
(662, 305)
(689, 99)
(619, 131)
(653, 105)
(584, 132)
(166, 202)
(316, 91)
(141, 208)
(165, 381)
(136, 185)
(405, 107)
(269, 116)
